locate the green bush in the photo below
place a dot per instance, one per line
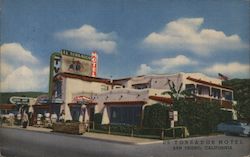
(201, 118)
(122, 128)
(156, 116)
(242, 96)
(147, 131)
(97, 120)
(178, 132)
(225, 116)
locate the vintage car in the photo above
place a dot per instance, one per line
(234, 128)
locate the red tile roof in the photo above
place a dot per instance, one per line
(208, 83)
(7, 106)
(125, 103)
(86, 78)
(161, 99)
(92, 103)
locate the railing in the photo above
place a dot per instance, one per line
(133, 131)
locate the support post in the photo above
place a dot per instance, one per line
(109, 129)
(162, 134)
(173, 132)
(132, 132)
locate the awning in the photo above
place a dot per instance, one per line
(41, 106)
(78, 104)
(81, 99)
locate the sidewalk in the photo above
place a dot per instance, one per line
(99, 136)
(31, 128)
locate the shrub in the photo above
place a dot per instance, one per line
(97, 120)
(156, 116)
(200, 117)
(121, 128)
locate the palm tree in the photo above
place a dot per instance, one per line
(176, 94)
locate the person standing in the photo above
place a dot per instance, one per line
(47, 121)
(54, 118)
(39, 119)
(62, 116)
(30, 115)
(25, 119)
(11, 119)
(19, 118)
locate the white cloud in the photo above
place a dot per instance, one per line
(15, 53)
(21, 79)
(232, 70)
(20, 71)
(87, 37)
(174, 62)
(165, 65)
(187, 34)
(5, 70)
(144, 69)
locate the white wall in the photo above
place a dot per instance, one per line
(76, 87)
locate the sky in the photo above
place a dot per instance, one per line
(131, 37)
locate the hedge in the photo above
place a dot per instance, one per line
(156, 116)
(200, 117)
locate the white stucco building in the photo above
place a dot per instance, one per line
(123, 100)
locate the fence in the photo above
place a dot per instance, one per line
(133, 131)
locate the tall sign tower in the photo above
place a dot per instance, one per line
(74, 63)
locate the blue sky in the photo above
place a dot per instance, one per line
(132, 37)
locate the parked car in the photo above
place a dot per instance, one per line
(234, 128)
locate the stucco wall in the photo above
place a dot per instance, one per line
(77, 87)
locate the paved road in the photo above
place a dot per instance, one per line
(23, 143)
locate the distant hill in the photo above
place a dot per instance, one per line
(4, 97)
(241, 95)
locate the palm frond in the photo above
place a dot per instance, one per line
(180, 88)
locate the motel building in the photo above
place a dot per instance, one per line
(76, 91)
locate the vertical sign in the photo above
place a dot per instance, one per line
(175, 116)
(94, 58)
(57, 65)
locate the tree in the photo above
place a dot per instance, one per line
(242, 96)
(177, 94)
(156, 116)
(199, 117)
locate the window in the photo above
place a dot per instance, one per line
(227, 95)
(190, 88)
(141, 86)
(203, 90)
(215, 93)
(58, 89)
(75, 112)
(104, 88)
(125, 115)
